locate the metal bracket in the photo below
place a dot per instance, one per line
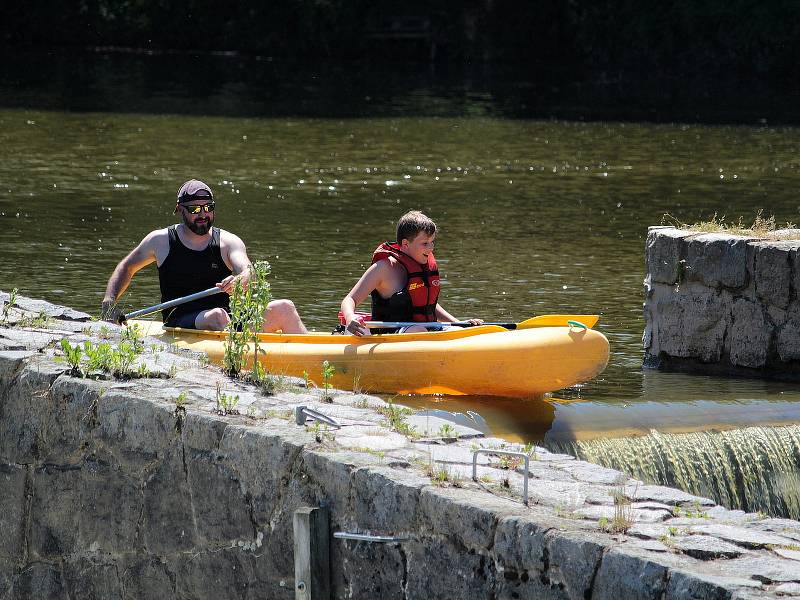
(365, 537)
(302, 413)
(508, 453)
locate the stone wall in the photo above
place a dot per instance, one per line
(114, 489)
(718, 303)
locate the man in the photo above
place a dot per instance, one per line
(193, 256)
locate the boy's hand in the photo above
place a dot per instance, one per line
(356, 327)
(474, 321)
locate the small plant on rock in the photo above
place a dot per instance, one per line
(623, 509)
(328, 371)
(12, 299)
(447, 431)
(72, 354)
(226, 405)
(180, 411)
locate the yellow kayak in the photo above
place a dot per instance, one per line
(483, 360)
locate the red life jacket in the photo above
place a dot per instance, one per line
(422, 285)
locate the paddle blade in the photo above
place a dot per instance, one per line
(558, 321)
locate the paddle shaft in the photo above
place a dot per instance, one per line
(581, 321)
(170, 303)
(428, 324)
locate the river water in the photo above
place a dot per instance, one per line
(537, 215)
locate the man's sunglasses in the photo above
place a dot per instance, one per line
(197, 208)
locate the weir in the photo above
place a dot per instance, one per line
(141, 487)
(753, 469)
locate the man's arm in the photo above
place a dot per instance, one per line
(238, 261)
(120, 279)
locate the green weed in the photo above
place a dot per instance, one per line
(39, 321)
(328, 371)
(72, 354)
(226, 405)
(247, 306)
(396, 419)
(12, 299)
(447, 431)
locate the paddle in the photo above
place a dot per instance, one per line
(585, 321)
(169, 304)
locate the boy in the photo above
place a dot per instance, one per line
(403, 280)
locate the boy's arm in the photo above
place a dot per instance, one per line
(446, 317)
(369, 281)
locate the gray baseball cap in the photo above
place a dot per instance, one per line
(194, 189)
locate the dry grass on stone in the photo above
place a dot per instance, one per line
(761, 227)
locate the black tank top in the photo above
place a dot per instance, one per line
(396, 307)
(187, 271)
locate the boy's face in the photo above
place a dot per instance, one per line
(419, 248)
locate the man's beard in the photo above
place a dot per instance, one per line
(199, 229)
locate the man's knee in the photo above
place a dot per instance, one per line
(215, 319)
(282, 307)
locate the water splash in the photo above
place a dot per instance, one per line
(753, 469)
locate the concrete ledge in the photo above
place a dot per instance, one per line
(111, 489)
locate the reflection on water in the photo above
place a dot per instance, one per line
(510, 418)
(536, 216)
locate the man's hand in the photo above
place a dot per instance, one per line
(228, 284)
(110, 312)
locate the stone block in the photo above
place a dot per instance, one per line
(470, 575)
(469, 516)
(368, 570)
(663, 254)
(220, 507)
(386, 500)
(90, 505)
(787, 341)
(91, 579)
(41, 581)
(772, 271)
(665, 495)
(12, 513)
(261, 463)
(693, 324)
(704, 547)
(167, 523)
(683, 585)
(138, 429)
(520, 544)
(765, 569)
(218, 573)
(717, 260)
(623, 574)
(743, 536)
(749, 334)
(574, 559)
(26, 420)
(147, 576)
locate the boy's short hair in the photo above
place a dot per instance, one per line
(412, 224)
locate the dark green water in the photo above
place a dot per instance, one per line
(536, 215)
